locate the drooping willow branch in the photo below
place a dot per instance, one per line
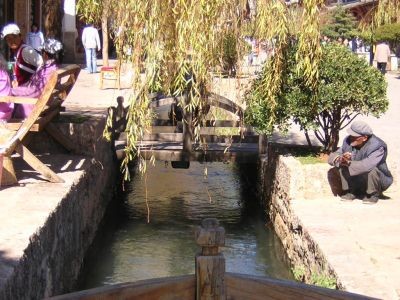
(173, 45)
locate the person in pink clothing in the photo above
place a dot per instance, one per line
(6, 109)
(34, 87)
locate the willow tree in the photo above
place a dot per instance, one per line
(385, 12)
(177, 43)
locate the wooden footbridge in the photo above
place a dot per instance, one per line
(171, 137)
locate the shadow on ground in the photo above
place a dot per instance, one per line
(6, 267)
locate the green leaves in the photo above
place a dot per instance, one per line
(341, 23)
(388, 32)
(347, 86)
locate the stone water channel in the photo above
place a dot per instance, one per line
(127, 248)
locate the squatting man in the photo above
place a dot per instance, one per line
(362, 164)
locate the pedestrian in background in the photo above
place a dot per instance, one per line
(35, 38)
(91, 43)
(382, 56)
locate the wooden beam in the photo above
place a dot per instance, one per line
(201, 156)
(248, 130)
(162, 102)
(178, 137)
(180, 287)
(210, 263)
(23, 100)
(61, 138)
(247, 287)
(207, 123)
(37, 165)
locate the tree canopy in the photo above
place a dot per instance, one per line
(348, 86)
(388, 32)
(176, 43)
(341, 23)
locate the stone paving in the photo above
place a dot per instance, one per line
(361, 242)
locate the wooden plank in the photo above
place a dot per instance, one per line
(164, 137)
(214, 100)
(225, 103)
(23, 100)
(201, 156)
(239, 286)
(208, 123)
(252, 147)
(63, 87)
(205, 130)
(61, 138)
(162, 102)
(14, 124)
(174, 152)
(43, 121)
(177, 137)
(247, 287)
(40, 116)
(37, 165)
(210, 263)
(37, 110)
(182, 287)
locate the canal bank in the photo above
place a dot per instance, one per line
(47, 227)
(328, 240)
(356, 243)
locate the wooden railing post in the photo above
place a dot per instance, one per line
(187, 126)
(210, 263)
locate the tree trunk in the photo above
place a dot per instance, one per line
(53, 12)
(104, 29)
(334, 132)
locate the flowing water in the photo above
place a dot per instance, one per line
(129, 249)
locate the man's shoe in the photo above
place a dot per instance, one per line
(371, 199)
(348, 197)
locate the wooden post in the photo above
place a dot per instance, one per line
(262, 144)
(210, 264)
(7, 172)
(187, 127)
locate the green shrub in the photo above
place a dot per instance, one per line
(347, 87)
(321, 280)
(341, 23)
(389, 33)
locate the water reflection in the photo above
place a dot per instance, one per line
(130, 249)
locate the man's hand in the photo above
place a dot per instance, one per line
(345, 159)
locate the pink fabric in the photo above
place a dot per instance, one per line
(1, 167)
(5, 88)
(33, 88)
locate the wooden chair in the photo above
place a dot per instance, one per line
(47, 106)
(110, 73)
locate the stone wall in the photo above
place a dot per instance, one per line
(51, 263)
(283, 179)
